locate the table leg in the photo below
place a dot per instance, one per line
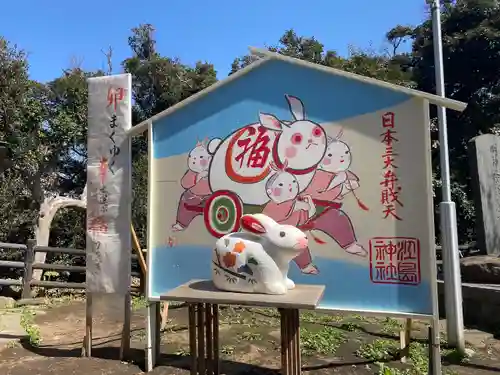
(192, 337)
(215, 336)
(295, 329)
(204, 338)
(290, 342)
(201, 338)
(209, 338)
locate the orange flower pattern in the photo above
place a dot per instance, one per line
(239, 247)
(229, 259)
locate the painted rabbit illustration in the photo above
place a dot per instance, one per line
(195, 183)
(337, 161)
(244, 158)
(257, 259)
(301, 142)
(331, 182)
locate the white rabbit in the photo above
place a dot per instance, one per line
(282, 186)
(301, 142)
(257, 259)
(337, 160)
(199, 159)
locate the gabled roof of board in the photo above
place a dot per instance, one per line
(263, 56)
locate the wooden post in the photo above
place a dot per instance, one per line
(215, 333)
(125, 342)
(192, 337)
(404, 340)
(144, 269)
(29, 258)
(209, 337)
(157, 347)
(164, 316)
(138, 250)
(201, 338)
(87, 340)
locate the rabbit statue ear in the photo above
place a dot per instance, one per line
(252, 224)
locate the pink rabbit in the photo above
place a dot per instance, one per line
(330, 183)
(285, 207)
(337, 161)
(282, 186)
(282, 189)
(195, 181)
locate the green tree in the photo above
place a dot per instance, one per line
(471, 51)
(158, 83)
(368, 63)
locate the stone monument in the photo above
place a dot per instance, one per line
(485, 172)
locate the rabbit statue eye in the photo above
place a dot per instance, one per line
(282, 234)
(280, 184)
(329, 155)
(201, 157)
(346, 152)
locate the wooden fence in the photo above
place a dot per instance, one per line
(28, 265)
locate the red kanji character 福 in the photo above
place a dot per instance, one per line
(257, 151)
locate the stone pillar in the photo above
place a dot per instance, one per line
(484, 154)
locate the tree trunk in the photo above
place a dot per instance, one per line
(48, 211)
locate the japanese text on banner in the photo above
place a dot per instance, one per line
(390, 194)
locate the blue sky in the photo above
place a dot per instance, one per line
(55, 31)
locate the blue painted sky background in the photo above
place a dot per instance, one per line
(238, 103)
(53, 32)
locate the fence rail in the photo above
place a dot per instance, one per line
(29, 265)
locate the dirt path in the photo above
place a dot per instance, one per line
(340, 344)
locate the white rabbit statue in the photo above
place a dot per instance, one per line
(257, 259)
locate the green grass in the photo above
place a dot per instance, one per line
(324, 341)
(139, 302)
(27, 323)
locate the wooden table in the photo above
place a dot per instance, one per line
(204, 299)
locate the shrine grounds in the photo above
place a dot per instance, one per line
(249, 339)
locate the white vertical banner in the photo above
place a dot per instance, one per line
(109, 185)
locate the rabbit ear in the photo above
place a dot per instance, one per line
(198, 143)
(296, 107)
(273, 166)
(285, 164)
(252, 225)
(270, 122)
